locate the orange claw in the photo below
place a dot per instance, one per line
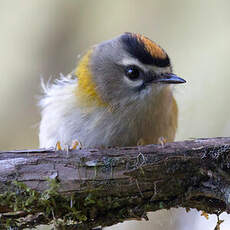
(58, 146)
(141, 141)
(205, 214)
(76, 144)
(162, 141)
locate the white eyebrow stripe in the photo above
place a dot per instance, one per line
(133, 61)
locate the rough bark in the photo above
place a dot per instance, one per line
(93, 187)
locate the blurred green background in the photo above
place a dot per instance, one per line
(44, 38)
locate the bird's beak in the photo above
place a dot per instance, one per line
(169, 78)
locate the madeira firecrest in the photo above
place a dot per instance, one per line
(119, 95)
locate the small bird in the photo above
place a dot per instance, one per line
(118, 95)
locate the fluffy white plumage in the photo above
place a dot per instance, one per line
(65, 120)
(58, 99)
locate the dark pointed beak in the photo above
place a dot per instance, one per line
(169, 78)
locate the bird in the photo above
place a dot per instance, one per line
(119, 94)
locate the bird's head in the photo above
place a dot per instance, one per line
(124, 69)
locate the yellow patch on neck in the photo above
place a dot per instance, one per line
(86, 91)
(152, 47)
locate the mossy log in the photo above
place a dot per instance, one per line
(82, 189)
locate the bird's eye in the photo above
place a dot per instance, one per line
(132, 72)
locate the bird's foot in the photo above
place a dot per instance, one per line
(161, 141)
(76, 144)
(58, 146)
(141, 141)
(205, 214)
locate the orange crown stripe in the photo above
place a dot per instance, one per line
(151, 47)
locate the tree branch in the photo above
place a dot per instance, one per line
(91, 187)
